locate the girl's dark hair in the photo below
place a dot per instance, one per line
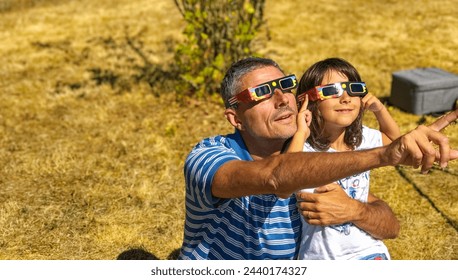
(313, 77)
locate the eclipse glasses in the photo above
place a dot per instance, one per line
(264, 91)
(335, 90)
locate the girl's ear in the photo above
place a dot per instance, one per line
(231, 116)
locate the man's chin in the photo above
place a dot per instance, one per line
(284, 136)
(287, 132)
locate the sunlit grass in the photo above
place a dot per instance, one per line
(88, 171)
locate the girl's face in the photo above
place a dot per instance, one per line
(338, 113)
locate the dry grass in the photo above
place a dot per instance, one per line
(87, 172)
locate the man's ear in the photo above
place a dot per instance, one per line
(231, 116)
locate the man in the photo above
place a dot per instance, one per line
(239, 202)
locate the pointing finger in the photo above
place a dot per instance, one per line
(444, 121)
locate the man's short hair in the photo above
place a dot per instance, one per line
(230, 85)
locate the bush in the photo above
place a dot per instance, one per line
(217, 34)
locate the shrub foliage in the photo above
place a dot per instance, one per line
(217, 33)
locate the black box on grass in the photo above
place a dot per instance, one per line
(424, 90)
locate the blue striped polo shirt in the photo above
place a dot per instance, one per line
(251, 227)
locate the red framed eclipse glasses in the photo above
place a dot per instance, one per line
(334, 90)
(264, 91)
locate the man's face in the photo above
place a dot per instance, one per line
(269, 119)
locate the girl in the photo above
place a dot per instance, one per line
(336, 99)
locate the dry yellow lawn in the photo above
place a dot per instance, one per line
(88, 171)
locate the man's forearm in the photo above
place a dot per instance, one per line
(287, 173)
(309, 170)
(377, 219)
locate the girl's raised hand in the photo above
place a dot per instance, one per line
(372, 103)
(304, 118)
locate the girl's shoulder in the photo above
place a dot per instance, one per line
(371, 138)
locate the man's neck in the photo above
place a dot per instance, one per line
(261, 150)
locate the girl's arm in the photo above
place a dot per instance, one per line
(388, 127)
(304, 117)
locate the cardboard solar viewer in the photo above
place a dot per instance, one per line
(424, 90)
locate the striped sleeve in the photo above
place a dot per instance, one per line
(200, 168)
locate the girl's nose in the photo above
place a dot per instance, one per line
(345, 97)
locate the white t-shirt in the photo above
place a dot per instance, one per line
(344, 241)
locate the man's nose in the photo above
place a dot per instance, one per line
(281, 99)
